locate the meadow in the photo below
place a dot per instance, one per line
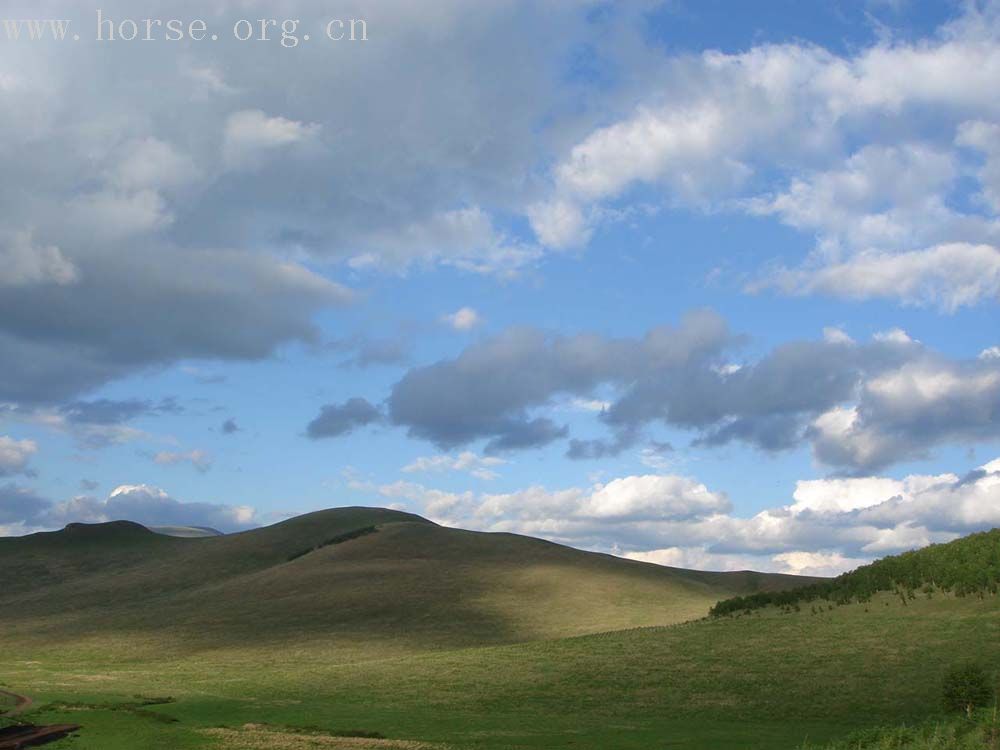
(771, 678)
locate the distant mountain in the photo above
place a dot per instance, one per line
(189, 532)
(353, 573)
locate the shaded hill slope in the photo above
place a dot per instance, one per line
(365, 575)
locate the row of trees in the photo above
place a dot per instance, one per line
(967, 566)
(345, 537)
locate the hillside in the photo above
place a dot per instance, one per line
(770, 681)
(363, 576)
(773, 679)
(967, 566)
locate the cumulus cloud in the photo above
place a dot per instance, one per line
(197, 305)
(947, 276)
(629, 499)
(15, 455)
(860, 405)
(559, 224)
(250, 134)
(902, 413)
(720, 130)
(335, 420)
(136, 238)
(829, 526)
(488, 390)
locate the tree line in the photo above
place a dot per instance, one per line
(967, 566)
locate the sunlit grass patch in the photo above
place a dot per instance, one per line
(263, 737)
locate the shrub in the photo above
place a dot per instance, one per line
(967, 687)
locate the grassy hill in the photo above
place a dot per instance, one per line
(386, 658)
(966, 567)
(357, 575)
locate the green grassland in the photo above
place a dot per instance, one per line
(443, 638)
(980, 731)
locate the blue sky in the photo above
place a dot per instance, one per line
(762, 238)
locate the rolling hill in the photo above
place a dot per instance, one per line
(362, 575)
(365, 622)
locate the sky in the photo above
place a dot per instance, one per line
(707, 284)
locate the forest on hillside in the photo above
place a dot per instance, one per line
(964, 567)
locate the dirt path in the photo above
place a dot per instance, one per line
(21, 703)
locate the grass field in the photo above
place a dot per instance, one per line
(767, 680)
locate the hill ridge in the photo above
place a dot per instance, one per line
(351, 574)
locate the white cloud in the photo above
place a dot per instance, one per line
(23, 262)
(250, 133)
(633, 498)
(882, 196)
(844, 495)
(150, 163)
(23, 512)
(947, 276)
(151, 506)
(985, 137)
(199, 459)
(481, 467)
(437, 504)
(464, 319)
(831, 525)
(464, 238)
(590, 404)
(902, 413)
(89, 435)
(15, 455)
(654, 497)
(835, 335)
(816, 563)
(207, 79)
(115, 215)
(893, 336)
(721, 130)
(559, 224)
(990, 353)
(792, 563)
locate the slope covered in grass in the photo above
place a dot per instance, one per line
(771, 680)
(966, 566)
(979, 732)
(361, 577)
